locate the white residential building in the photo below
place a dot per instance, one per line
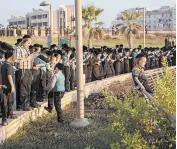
(38, 17)
(163, 19)
(63, 18)
(16, 20)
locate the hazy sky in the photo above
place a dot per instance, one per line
(111, 7)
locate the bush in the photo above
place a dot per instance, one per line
(165, 89)
(140, 125)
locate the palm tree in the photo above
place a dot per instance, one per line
(89, 15)
(130, 26)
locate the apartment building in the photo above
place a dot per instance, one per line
(63, 18)
(163, 19)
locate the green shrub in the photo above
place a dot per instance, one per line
(140, 125)
(165, 89)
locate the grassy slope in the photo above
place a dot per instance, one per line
(46, 133)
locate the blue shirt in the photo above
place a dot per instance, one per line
(57, 83)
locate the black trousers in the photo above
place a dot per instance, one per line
(55, 97)
(96, 75)
(23, 87)
(35, 86)
(72, 79)
(119, 67)
(126, 66)
(67, 74)
(89, 74)
(10, 101)
(3, 102)
(43, 81)
(148, 88)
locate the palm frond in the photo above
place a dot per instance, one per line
(100, 23)
(126, 15)
(138, 16)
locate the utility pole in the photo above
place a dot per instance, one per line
(80, 121)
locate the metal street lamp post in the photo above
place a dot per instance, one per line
(45, 3)
(144, 25)
(80, 121)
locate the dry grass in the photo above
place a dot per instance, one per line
(156, 41)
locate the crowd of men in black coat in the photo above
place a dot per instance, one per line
(38, 63)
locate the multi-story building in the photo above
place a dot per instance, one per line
(63, 19)
(163, 19)
(38, 17)
(17, 21)
(64, 16)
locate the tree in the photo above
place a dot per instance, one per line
(90, 14)
(130, 26)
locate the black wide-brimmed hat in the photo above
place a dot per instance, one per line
(6, 47)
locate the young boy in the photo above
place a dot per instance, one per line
(56, 86)
(7, 80)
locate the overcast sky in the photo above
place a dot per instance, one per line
(111, 7)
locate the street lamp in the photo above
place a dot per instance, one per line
(144, 14)
(144, 25)
(45, 3)
(80, 121)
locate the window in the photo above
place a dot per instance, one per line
(60, 20)
(39, 16)
(64, 14)
(45, 24)
(44, 15)
(33, 17)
